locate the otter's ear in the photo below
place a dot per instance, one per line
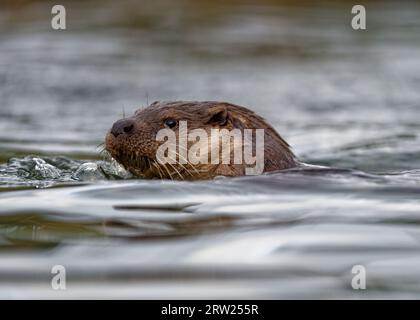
(218, 114)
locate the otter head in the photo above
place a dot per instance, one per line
(134, 143)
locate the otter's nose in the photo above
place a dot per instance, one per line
(122, 126)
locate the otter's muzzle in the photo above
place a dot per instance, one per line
(123, 126)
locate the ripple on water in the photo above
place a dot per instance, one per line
(340, 98)
(289, 234)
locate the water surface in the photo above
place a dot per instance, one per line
(343, 99)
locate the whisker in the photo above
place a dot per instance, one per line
(173, 167)
(185, 168)
(186, 160)
(123, 111)
(168, 172)
(158, 170)
(151, 164)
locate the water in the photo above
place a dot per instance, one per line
(343, 99)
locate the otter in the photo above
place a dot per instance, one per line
(133, 142)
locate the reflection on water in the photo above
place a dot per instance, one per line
(290, 234)
(341, 98)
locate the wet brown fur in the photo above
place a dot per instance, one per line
(137, 151)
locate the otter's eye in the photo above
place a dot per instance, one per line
(170, 123)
